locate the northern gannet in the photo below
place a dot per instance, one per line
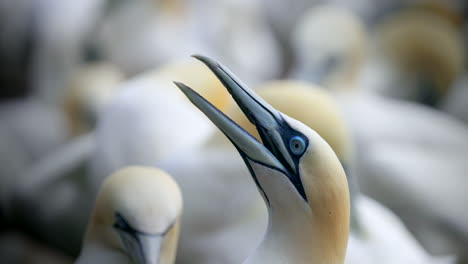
(88, 91)
(368, 244)
(135, 219)
(329, 44)
(212, 227)
(375, 230)
(418, 55)
(297, 173)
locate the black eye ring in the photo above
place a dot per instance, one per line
(297, 145)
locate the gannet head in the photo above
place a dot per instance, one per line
(307, 103)
(296, 171)
(317, 109)
(137, 211)
(424, 53)
(88, 92)
(329, 44)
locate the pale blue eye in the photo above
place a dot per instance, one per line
(297, 145)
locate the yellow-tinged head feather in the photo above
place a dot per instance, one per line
(423, 42)
(326, 186)
(88, 91)
(148, 199)
(307, 103)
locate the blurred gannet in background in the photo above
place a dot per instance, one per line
(330, 47)
(136, 128)
(418, 56)
(412, 159)
(89, 89)
(297, 173)
(135, 219)
(210, 233)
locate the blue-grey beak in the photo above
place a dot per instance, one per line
(272, 128)
(143, 248)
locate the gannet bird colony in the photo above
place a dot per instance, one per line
(234, 131)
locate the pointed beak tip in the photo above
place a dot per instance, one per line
(207, 61)
(184, 88)
(198, 57)
(178, 84)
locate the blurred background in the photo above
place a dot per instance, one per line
(86, 88)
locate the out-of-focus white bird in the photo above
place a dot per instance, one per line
(329, 45)
(418, 56)
(242, 219)
(88, 91)
(135, 219)
(413, 160)
(443, 230)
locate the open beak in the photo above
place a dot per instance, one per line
(269, 122)
(248, 146)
